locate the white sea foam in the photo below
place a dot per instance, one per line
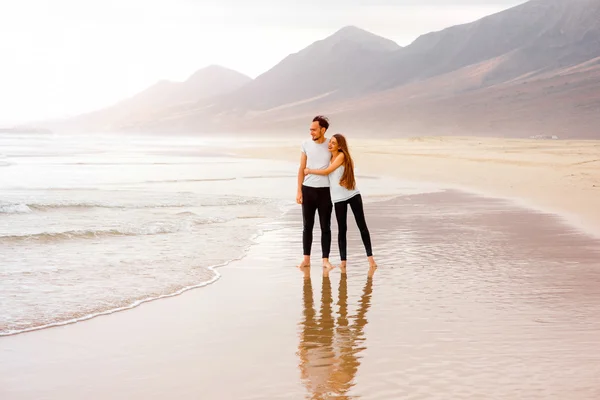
(14, 209)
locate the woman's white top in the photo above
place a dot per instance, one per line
(338, 192)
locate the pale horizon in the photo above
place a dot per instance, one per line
(67, 58)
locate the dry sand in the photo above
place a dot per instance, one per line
(475, 298)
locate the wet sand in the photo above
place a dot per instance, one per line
(474, 298)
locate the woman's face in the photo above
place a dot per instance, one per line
(333, 145)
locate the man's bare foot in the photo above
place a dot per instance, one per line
(343, 267)
(372, 269)
(305, 272)
(304, 264)
(327, 267)
(304, 267)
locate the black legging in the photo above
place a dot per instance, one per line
(314, 199)
(341, 214)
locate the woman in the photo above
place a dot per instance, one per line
(344, 193)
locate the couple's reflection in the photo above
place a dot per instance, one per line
(329, 344)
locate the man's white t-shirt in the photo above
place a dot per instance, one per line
(318, 157)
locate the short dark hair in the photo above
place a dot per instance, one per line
(322, 120)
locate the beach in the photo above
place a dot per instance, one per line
(489, 265)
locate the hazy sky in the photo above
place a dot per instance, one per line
(63, 57)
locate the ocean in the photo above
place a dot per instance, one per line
(93, 224)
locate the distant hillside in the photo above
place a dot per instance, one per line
(205, 83)
(535, 37)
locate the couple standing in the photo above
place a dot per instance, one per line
(326, 180)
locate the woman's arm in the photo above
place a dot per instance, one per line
(332, 167)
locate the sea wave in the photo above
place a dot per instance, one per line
(8, 331)
(14, 209)
(150, 229)
(215, 179)
(49, 205)
(191, 180)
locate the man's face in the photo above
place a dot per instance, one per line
(316, 131)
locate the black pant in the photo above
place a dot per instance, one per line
(341, 214)
(314, 199)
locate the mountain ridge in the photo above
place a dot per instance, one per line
(354, 75)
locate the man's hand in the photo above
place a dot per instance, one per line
(306, 171)
(301, 169)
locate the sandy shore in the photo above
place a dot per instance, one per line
(505, 309)
(554, 176)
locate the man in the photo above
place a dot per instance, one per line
(313, 192)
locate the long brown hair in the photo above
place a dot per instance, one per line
(347, 180)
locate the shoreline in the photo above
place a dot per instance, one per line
(254, 240)
(440, 311)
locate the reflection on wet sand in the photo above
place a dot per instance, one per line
(330, 345)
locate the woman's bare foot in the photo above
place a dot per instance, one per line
(372, 263)
(372, 266)
(343, 267)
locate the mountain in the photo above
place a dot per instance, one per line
(328, 70)
(205, 83)
(532, 69)
(565, 103)
(332, 67)
(532, 38)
